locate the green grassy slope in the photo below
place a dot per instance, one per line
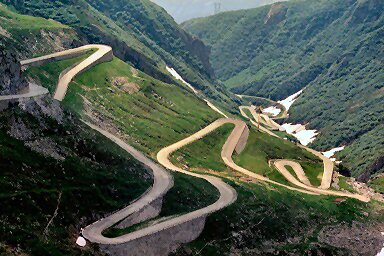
(95, 178)
(377, 183)
(12, 20)
(153, 115)
(176, 113)
(204, 155)
(333, 48)
(48, 75)
(262, 147)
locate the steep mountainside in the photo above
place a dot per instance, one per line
(182, 10)
(276, 50)
(57, 175)
(140, 32)
(333, 48)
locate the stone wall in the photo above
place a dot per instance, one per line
(242, 141)
(148, 212)
(159, 244)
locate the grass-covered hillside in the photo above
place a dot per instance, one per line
(260, 149)
(151, 114)
(29, 36)
(274, 51)
(140, 33)
(333, 48)
(346, 104)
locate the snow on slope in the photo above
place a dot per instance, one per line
(287, 103)
(274, 111)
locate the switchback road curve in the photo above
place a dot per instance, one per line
(162, 179)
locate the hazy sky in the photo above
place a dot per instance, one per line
(183, 10)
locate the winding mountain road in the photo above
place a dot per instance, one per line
(33, 90)
(304, 182)
(162, 183)
(162, 179)
(103, 53)
(282, 115)
(265, 120)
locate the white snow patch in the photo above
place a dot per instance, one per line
(81, 241)
(381, 253)
(176, 75)
(331, 153)
(301, 133)
(287, 103)
(274, 111)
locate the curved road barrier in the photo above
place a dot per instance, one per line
(328, 167)
(229, 149)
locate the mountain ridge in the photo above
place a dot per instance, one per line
(331, 48)
(137, 38)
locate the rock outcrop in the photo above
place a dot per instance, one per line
(11, 79)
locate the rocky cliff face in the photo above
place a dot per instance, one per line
(11, 80)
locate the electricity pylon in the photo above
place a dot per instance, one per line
(217, 7)
(258, 110)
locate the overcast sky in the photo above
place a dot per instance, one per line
(183, 10)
